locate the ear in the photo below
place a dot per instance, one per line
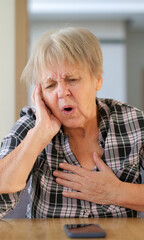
(98, 82)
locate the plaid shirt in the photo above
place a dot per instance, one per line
(121, 136)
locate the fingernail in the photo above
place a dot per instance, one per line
(61, 165)
(94, 154)
(54, 172)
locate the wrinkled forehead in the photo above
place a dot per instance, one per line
(62, 71)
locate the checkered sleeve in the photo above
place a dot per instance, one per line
(141, 155)
(141, 126)
(9, 143)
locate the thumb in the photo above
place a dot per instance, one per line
(99, 162)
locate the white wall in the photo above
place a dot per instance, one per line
(135, 68)
(114, 54)
(6, 66)
(114, 77)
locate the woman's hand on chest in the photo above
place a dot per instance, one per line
(100, 187)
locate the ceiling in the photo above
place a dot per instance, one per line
(124, 10)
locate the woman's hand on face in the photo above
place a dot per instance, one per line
(99, 187)
(46, 122)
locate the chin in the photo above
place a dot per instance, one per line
(72, 124)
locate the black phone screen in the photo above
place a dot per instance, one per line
(84, 228)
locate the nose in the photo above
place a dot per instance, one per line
(62, 90)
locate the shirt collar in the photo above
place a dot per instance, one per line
(104, 118)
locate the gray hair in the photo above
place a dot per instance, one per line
(71, 45)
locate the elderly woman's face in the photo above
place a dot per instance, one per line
(70, 91)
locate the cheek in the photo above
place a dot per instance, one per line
(47, 99)
(50, 100)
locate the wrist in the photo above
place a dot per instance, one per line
(118, 193)
(122, 194)
(40, 137)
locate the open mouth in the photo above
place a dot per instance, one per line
(68, 109)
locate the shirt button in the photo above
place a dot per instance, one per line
(85, 210)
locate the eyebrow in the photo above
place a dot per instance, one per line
(50, 79)
(47, 80)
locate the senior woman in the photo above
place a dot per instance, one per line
(83, 154)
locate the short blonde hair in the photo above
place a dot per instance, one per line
(71, 45)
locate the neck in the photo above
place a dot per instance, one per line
(89, 130)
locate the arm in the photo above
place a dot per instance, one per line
(101, 187)
(131, 196)
(16, 166)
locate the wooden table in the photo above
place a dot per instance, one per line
(52, 229)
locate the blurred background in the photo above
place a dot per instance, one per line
(119, 25)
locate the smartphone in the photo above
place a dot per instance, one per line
(84, 231)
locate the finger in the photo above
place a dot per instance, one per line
(75, 169)
(38, 95)
(67, 176)
(39, 102)
(69, 184)
(33, 94)
(76, 195)
(99, 162)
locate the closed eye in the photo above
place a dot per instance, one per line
(51, 85)
(72, 79)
